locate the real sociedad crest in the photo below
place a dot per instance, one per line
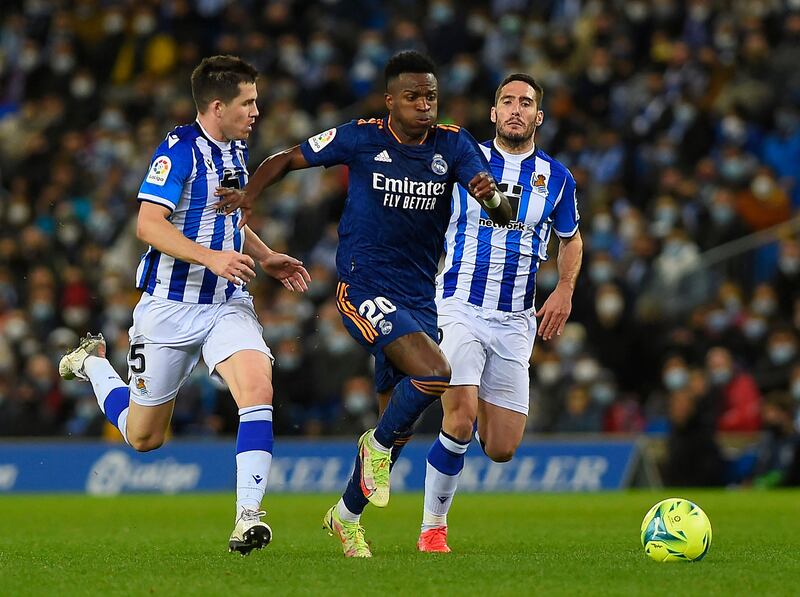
(438, 165)
(539, 183)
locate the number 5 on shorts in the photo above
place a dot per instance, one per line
(136, 358)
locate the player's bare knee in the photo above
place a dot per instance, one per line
(255, 394)
(458, 423)
(499, 453)
(146, 443)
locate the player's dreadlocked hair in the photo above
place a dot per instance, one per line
(218, 77)
(537, 89)
(409, 61)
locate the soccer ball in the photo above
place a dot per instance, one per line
(676, 530)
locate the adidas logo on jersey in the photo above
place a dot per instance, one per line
(383, 157)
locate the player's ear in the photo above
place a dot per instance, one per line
(539, 118)
(389, 100)
(493, 115)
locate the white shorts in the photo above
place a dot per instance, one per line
(168, 337)
(489, 349)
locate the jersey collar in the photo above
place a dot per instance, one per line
(211, 139)
(514, 156)
(396, 138)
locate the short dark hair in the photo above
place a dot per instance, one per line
(409, 61)
(538, 90)
(218, 77)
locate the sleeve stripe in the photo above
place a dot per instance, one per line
(569, 234)
(156, 199)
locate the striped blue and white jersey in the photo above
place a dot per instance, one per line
(185, 171)
(495, 267)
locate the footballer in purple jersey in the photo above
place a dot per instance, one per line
(402, 169)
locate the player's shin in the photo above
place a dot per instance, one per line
(444, 465)
(111, 392)
(409, 400)
(253, 456)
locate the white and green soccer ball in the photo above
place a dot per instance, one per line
(676, 530)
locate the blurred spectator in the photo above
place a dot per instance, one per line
(735, 392)
(693, 457)
(680, 124)
(779, 447)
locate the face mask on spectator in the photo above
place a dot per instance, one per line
(762, 186)
(717, 321)
(602, 393)
(722, 214)
(81, 87)
(320, 51)
(675, 378)
(113, 23)
(75, 317)
(609, 306)
(62, 63)
(719, 377)
(144, 24)
(754, 328)
(338, 343)
(356, 403)
(585, 371)
(42, 311)
(567, 347)
(781, 353)
(288, 361)
(796, 389)
(733, 169)
(601, 272)
(28, 59)
(764, 306)
(547, 280)
(18, 213)
(16, 329)
(789, 265)
(548, 373)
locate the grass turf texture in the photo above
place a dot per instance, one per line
(584, 544)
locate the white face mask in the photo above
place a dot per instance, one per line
(676, 378)
(548, 373)
(762, 186)
(585, 371)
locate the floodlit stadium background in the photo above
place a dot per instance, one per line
(679, 121)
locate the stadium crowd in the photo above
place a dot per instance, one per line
(679, 121)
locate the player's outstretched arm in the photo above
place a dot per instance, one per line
(558, 306)
(284, 268)
(268, 172)
(153, 228)
(483, 188)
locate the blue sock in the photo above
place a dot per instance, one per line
(115, 408)
(353, 497)
(444, 466)
(409, 400)
(253, 455)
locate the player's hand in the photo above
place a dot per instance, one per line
(233, 266)
(232, 199)
(288, 270)
(555, 312)
(482, 187)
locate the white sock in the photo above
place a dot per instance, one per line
(378, 445)
(103, 378)
(345, 514)
(253, 456)
(443, 469)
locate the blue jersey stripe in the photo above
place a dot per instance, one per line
(513, 238)
(209, 286)
(483, 257)
(451, 276)
(197, 202)
(151, 283)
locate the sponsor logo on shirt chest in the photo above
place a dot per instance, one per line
(408, 194)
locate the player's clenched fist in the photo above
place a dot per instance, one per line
(233, 266)
(482, 187)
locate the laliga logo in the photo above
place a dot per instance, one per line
(115, 472)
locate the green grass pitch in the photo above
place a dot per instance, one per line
(585, 544)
